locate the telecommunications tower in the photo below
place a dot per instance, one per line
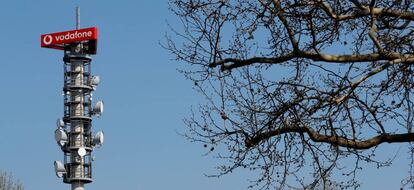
(74, 130)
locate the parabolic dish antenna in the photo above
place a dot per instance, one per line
(60, 123)
(61, 137)
(95, 80)
(59, 169)
(98, 108)
(98, 139)
(82, 151)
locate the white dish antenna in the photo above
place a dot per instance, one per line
(61, 137)
(82, 151)
(98, 108)
(98, 140)
(60, 123)
(59, 169)
(95, 80)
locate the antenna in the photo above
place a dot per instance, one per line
(77, 18)
(74, 131)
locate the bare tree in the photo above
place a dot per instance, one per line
(8, 183)
(298, 87)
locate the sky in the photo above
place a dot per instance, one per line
(145, 97)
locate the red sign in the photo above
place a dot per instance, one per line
(60, 39)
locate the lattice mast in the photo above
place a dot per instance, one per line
(73, 133)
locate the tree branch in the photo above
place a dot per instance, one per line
(363, 11)
(331, 139)
(286, 24)
(329, 58)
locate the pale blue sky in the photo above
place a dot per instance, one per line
(145, 101)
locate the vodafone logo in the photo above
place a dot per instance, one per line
(58, 40)
(72, 36)
(47, 40)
